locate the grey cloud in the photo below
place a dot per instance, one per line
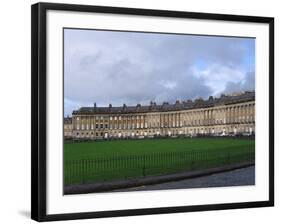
(247, 84)
(87, 62)
(115, 67)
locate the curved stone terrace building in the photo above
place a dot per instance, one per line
(227, 115)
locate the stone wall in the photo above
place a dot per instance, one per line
(231, 119)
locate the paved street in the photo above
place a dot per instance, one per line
(239, 177)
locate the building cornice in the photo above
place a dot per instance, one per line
(166, 107)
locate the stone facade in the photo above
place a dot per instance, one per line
(67, 127)
(228, 115)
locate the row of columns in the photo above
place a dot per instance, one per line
(224, 115)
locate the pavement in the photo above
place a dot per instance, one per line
(238, 177)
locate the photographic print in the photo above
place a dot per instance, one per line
(141, 111)
(157, 111)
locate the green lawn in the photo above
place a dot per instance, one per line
(86, 162)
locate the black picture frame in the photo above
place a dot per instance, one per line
(39, 108)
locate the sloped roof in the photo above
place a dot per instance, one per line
(184, 105)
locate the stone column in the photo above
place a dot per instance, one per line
(74, 123)
(247, 113)
(238, 114)
(206, 118)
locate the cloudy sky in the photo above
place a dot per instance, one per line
(127, 67)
